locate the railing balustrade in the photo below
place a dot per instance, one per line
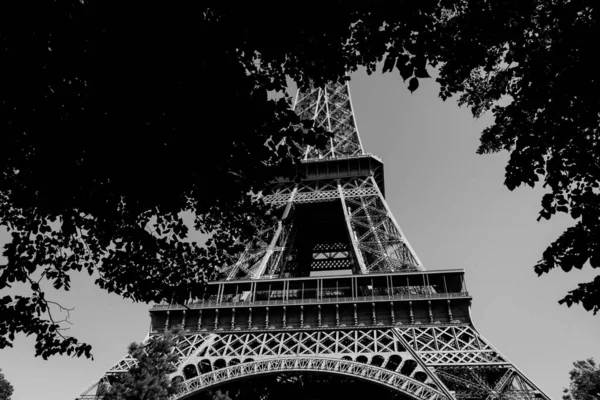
(272, 302)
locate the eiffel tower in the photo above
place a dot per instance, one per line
(336, 289)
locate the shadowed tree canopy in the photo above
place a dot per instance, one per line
(113, 123)
(149, 378)
(6, 389)
(584, 381)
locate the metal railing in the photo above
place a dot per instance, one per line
(323, 300)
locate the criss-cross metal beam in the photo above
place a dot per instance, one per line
(412, 388)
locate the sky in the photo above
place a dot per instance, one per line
(456, 213)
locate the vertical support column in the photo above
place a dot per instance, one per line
(445, 286)
(396, 225)
(199, 320)
(351, 233)
(392, 313)
(319, 289)
(314, 116)
(183, 321)
(167, 322)
(464, 284)
(331, 142)
(266, 317)
(269, 293)
(301, 316)
(319, 320)
(374, 314)
(319, 315)
(271, 248)
(283, 322)
(219, 293)
(355, 315)
(250, 318)
(216, 319)
(412, 317)
(449, 311)
(232, 318)
(383, 254)
(430, 311)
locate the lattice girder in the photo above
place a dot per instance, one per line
(451, 345)
(378, 352)
(331, 108)
(396, 381)
(406, 354)
(377, 243)
(381, 348)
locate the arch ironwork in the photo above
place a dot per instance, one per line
(370, 373)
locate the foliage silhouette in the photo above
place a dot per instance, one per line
(584, 381)
(149, 378)
(6, 389)
(113, 123)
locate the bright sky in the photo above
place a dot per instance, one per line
(456, 213)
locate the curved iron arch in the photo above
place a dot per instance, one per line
(393, 380)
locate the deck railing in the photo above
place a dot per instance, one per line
(324, 300)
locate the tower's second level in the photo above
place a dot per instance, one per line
(425, 297)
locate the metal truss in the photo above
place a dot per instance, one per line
(451, 345)
(378, 243)
(321, 190)
(394, 380)
(377, 235)
(331, 108)
(478, 383)
(424, 362)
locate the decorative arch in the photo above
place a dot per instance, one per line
(370, 373)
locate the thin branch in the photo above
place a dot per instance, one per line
(48, 303)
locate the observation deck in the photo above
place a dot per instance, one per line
(389, 299)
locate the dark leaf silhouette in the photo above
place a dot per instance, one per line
(584, 381)
(149, 378)
(6, 389)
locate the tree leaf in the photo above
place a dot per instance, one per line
(413, 84)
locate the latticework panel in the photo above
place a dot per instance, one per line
(451, 345)
(380, 348)
(394, 380)
(331, 108)
(376, 354)
(378, 236)
(322, 190)
(249, 261)
(378, 244)
(451, 361)
(468, 364)
(489, 383)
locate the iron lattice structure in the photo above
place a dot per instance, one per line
(335, 288)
